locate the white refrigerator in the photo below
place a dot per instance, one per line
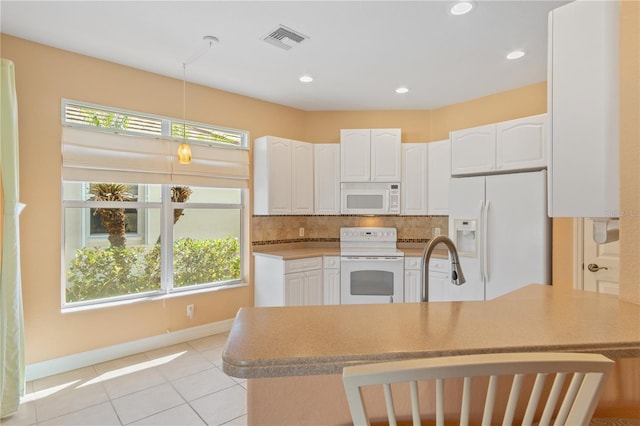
(500, 227)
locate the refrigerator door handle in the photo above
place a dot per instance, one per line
(481, 237)
(485, 249)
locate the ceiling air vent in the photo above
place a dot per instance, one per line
(284, 38)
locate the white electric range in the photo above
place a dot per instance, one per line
(371, 266)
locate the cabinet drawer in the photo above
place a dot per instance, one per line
(413, 263)
(301, 265)
(331, 262)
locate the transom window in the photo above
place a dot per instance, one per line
(83, 114)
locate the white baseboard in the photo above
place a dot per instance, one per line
(83, 359)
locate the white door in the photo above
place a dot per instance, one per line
(326, 168)
(473, 150)
(466, 198)
(279, 164)
(601, 263)
(439, 173)
(312, 293)
(355, 155)
(413, 200)
(385, 155)
(517, 232)
(301, 178)
(294, 289)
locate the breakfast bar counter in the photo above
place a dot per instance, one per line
(308, 340)
(297, 353)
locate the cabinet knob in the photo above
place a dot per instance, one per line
(595, 268)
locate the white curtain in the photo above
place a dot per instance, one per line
(11, 324)
(92, 155)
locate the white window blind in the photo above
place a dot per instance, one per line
(105, 156)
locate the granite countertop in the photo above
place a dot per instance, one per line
(313, 340)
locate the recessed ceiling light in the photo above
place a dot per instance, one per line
(306, 79)
(516, 54)
(462, 7)
(402, 90)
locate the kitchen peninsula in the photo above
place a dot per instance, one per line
(293, 356)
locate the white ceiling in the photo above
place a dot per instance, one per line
(359, 52)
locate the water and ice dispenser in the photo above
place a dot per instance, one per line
(466, 237)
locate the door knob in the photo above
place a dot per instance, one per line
(595, 268)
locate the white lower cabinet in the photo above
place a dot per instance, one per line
(331, 280)
(303, 288)
(412, 279)
(288, 283)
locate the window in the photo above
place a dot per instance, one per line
(127, 122)
(137, 223)
(201, 228)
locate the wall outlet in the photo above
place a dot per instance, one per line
(190, 311)
(301, 232)
(436, 232)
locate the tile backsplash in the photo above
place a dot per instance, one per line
(282, 229)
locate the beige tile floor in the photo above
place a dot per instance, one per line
(177, 385)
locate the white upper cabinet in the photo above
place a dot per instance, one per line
(522, 143)
(413, 199)
(507, 146)
(301, 178)
(385, 155)
(438, 175)
(583, 104)
(473, 150)
(283, 176)
(327, 178)
(370, 155)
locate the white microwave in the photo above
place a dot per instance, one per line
(369, 198)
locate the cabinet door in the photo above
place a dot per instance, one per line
(386, 155)
(279, 166)
(438, 175)
(312, 294)
(413, 199)
(331, 286)
(583, 103)
(473, 150)
(272, 176)
(412, 284)
(326, 158)
(522, 143)
(355, 155)
(301, 178)
(294, 289)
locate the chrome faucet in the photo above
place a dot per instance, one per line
(457, 277)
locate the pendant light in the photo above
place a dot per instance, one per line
(184, 150)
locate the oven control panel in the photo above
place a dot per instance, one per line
(368, 234)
